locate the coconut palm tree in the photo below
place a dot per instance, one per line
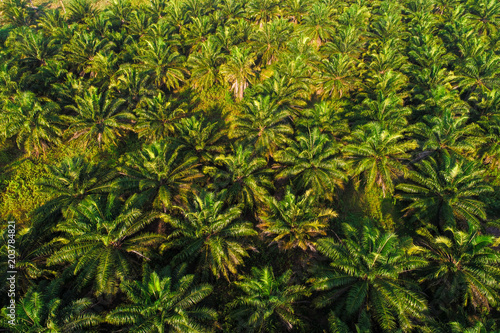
(103, 241)
(267, 303)
(164, 301)
(295, 221)
(445, 192)
(209, 234)
(365, 279)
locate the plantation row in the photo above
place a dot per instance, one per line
(261, 166)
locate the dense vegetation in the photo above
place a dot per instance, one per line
(252, 166)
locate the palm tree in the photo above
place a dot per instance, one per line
(159, 175)
(377, 154)
(103, 242)
(71, 181)
(348, 40)
(79, 10)
(39, 312)
(230, 9)
(365, 278)
(198, 30)
(132, 84)
(32, 48)
(33, 124)
(444, 192)
(312, 162)
(317, 24)
(81, 50)
(238, 70)
(209, 234)
(462, 271)
(486, 15)
(295, 221)
(32, 247)
(327, 117)
(205, 65)
(99, 119)
(157, 116)
(388, 111)
(288, 87)
(163, 302)
(335, 76)
(243, 177)
(296, 10)
(201, 137)
(267, 303)
(263, 125)
(17, 12)
(262, 11)
(480, 71)
(449, 133)
(271, 40)
(162, 62)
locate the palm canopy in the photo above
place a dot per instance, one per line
(164, 301)
(33, 124)
(264, 125)
(366, 278)
(312, 162)
(463, 269)
(43, 312)
(242, 177)
(295, 221)
(445, 191)
(157, 116)
(162, 62)
(99, 118)
(210, 234)
(238, 70)
(267, 303)
(449, 132)
(102, 240)
(159, 174)
(377, 155)
(73, 180)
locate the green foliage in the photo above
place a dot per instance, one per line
(234, 139)
(267, 303)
